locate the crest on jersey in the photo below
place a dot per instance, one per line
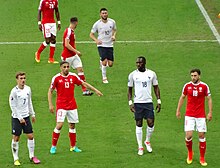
(200, 89)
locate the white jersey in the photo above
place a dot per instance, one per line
(142, 83)
(104, 31)
(20, 102)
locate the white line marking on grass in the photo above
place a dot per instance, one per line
(208, 20)
(91, 42)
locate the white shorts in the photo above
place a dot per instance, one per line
(48, 29)
(71, 115)
(74, 61)
(197, 124)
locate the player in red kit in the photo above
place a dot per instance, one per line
(64, 84)
(195, 117)
(71, 55)
(48, 27)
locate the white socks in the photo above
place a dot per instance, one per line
(149, 132)
(104, 72)
(139, 135)
(31, 145)
(14, 149)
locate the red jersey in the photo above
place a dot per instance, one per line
(196, 94)
(47, 8)
(68, 34)
(64, 86)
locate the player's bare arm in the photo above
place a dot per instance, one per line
(180, 103)
(92, 36)
(113, 35)
(131, 105)
(69, 47)
(39, 20)
(157, 93)
(209, 115)
(50, 94)
(58, 18)
(87, 85)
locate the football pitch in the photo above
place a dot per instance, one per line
(172, 34)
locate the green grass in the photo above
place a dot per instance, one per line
(106, 132)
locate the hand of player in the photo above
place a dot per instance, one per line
(178, 114)
(33, 119)
(22, 121)
(51, 108)
(98, 93)
(40, 27)
(132, 108)
(59, 27)
(209, 116)
(158, 108)
(78, 53)
(98, 42)
(113, 38)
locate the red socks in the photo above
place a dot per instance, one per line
(202, 148)
(82, 77)
(55, 138)
(189, 147)
(72, 137)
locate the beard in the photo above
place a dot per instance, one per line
(142, 69)
(104, 18)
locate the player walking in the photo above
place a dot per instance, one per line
(48, 27)
(71, 55)
(142, 80)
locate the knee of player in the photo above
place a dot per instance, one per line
(201, 135)
(79, 70)
(47, 42)
(139, 123)
(30, 136)
(53, 41)
(59, 126)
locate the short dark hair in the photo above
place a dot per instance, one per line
(143, 58)
(103, 9)
(195, 70)
(73, 19)
(19, 74)
(63, 62)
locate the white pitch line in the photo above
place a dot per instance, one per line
(208, 20)
(91, 42)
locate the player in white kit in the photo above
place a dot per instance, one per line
(22, 108)
(142, 80)
(106, 30)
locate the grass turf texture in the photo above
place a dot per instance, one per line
(106, 132)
